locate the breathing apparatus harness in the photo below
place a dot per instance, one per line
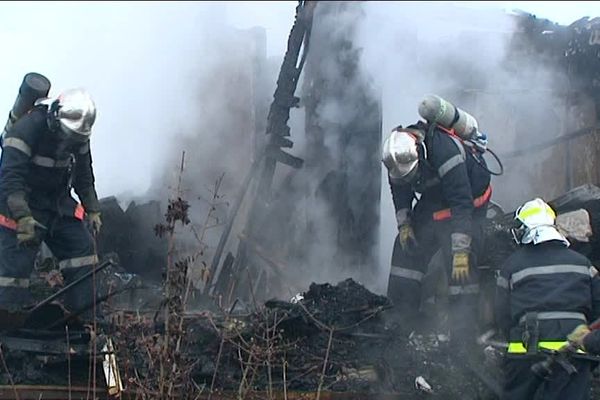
(472, 145)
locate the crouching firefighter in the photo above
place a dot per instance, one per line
(46, 153)
(544, 292)
(440, 189)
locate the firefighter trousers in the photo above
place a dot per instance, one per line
(520, 383)
(70, 242)
(420, 277)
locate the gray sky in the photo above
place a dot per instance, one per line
(139, 61)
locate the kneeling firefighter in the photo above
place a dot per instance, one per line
(544, 292)
(440, 230)
(46, 153)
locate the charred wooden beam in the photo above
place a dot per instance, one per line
(277, 130)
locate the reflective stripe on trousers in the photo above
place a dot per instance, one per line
(14, 282)
(78, 262)
(456, 290)
(406, 273)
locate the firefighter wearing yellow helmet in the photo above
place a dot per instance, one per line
(544, 291)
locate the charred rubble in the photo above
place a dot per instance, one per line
(330, 338)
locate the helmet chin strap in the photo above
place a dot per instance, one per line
(52, 117)
(518, 233)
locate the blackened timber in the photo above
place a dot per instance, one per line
(277, 130)
(284, 158)
(284, 97)
(279, 114)
(239, 198)
(225, 275)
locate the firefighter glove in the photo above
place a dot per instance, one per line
(460, 266)
(406, 234)
(26, 229)
(95, 222)
(407, 237)
(461, 257)
(578, 334)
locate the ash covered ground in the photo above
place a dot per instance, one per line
(336, 338)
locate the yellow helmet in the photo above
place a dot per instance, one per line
(536, 223)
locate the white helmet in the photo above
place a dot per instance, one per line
(75, 114)
(536, 219)
(400, 154)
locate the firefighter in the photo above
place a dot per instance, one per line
(45, 154)
(440, 189)
(544, 291)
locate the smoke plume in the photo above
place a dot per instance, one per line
(170, 77)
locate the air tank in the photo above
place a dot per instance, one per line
(33, 87)
(434, 108)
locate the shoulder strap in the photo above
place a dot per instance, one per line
(460, 145)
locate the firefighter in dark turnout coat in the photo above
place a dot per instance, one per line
(544, 291)
(45, 154)
(442, 230)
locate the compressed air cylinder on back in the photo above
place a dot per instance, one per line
(434, 108)
(34, 86)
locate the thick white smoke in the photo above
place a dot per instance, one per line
(144, 64)
(174, 76)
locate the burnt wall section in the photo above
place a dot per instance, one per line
(130, 234)
(343, 136)
(574, 49)
(563, 134)
(233, 86)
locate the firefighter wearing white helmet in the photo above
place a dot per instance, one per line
(45, 154)
(544, 292)
(400, 155)
(440, 194)
(75, 113)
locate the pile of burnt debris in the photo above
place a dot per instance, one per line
(331, 338)
(340, 338)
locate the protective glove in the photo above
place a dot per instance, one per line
(460, 267)
(405, 231)
(578, 334)
(26, 229)
(407, 237)
(461, 254)
(95, 222)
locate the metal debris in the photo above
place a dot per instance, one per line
(422, 385)
(297, 298)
